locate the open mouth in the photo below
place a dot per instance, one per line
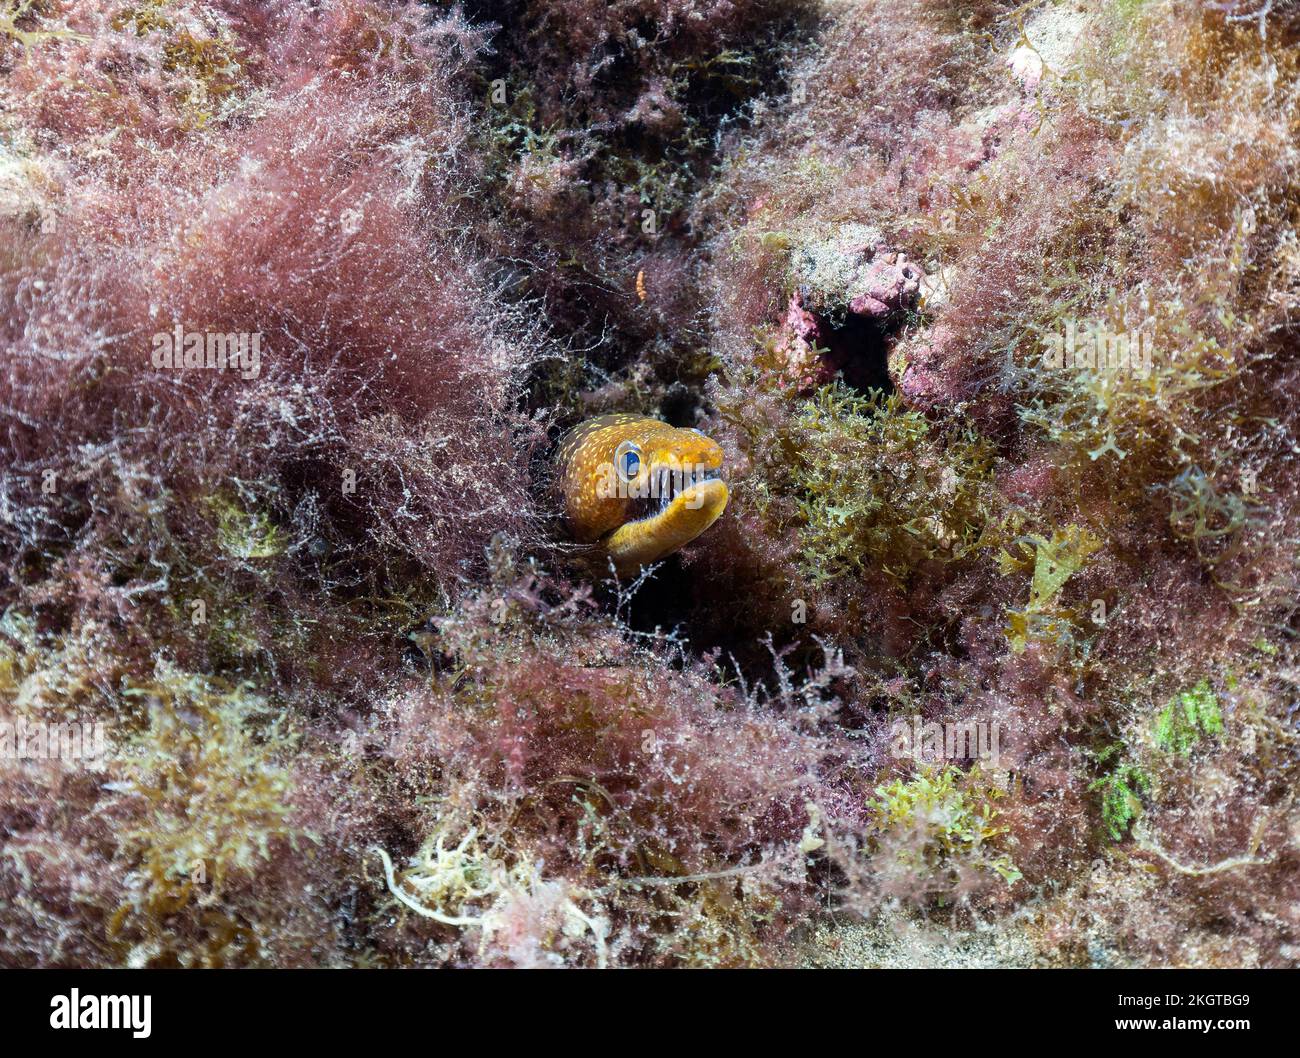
(665, 485)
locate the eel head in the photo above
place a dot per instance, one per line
(637, 488)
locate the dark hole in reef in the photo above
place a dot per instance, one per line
(680, 405)
(663, 602)
(667, 604)
(858, 349)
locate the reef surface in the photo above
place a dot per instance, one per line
(992, 658)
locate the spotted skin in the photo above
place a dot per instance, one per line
(635, 532)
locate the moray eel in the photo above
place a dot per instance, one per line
(637, 489)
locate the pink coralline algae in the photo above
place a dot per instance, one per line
(858, 271)
(891, 284)
(850, 291)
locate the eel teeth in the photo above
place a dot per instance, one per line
(665, 485)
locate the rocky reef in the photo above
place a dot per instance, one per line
(993, 308)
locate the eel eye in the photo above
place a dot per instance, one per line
(627, 461)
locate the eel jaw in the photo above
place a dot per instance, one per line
(681, 520)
